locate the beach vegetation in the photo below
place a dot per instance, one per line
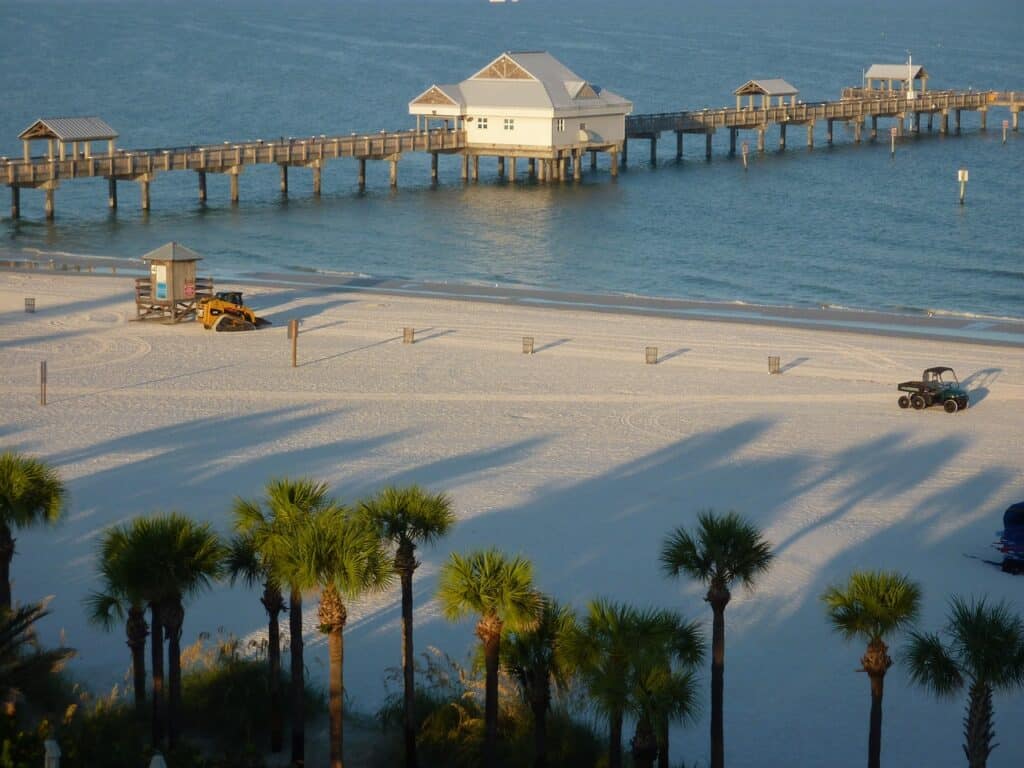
(32, 494)
(499, 590)
(981, 647)
(722, 550)
(871, 606)
(408, 518)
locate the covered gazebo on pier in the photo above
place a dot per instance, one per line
(895, 77)
(67, 132)
(773, 88)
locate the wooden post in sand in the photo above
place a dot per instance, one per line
(527, 345)
(408, 335)
(651, 355)
(293, 334)
(30, 305)
(42, 382)
(773, 364)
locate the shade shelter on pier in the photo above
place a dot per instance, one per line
(772, 88)
(68, 132)
(895, 77)
(172, 291)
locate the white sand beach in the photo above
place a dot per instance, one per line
(580, 457)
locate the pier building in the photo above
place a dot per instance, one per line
(527, 104)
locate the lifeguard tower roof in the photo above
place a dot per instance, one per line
(172, 252)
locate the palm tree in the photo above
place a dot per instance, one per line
(245, 563)
(632, 660)
(408, 517)
(31, 494)
(122, 598)
(871, 606)
(984, 648)
(277, 528)
(173, 558)
(24, 666)
(537, 657)
(500, 591)
(344, 556)
(724, 548)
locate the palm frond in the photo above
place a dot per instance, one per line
(931, 665)
(873, 604)
(723, 549)
(31, 492)
(487, 582)
(409, 515)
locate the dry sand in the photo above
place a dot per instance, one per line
(581, 457)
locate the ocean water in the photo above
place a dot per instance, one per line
(845, 225)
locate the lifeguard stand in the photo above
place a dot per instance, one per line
(172, 291)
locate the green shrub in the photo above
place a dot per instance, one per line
(449, 711)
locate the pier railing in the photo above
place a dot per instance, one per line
(219, 158)
(855, 104)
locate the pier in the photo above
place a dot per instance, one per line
(69, 156)
(861, 108)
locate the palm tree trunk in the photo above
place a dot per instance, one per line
(645, 744)
(157, 662)
(333, 616)
(489, 631)
(173, 617)
(298, 682)
(875, 729)
(274, 603)
(136, 629)
(978, 731)
(615, 740)
(6, 555)
(717, 681)
(540, 733)
(663, 743)
(408, 668)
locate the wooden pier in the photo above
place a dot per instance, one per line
(861, 108)
(858, 107)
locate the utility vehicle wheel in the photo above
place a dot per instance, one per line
(231, 323)
(903, 402)
(917, 402)
(962, 404)
(950, 406)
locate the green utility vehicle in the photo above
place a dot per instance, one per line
(938, 386)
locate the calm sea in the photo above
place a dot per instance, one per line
(845, 225)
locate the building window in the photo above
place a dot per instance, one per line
(481, 123)
(560, 123)
(510, 124)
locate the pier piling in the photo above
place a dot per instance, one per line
(829, 134)
(234, 185)
(707, 144)
(732, 141)
(284, 179)
(433, 167)
(577, 165)
(464, 168)
(760, 139)
(501, 166)
(317, 178)
(782, 136)
(49, 207)
(593, 159)
(202, 186)
(625, 152)
(810, 135)
(393, 175)
(654, 151)
(112, 193)
(361, 179)
(679, 146)
(16, 195)
(512, 170)
(614, 159)
(144, 193)
(476, 167)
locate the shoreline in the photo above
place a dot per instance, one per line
(933, 325)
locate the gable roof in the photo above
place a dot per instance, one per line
(69, 129)
(521, 79)
(172, 252)
(771, 87)
(895, 72)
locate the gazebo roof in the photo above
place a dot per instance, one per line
(771, 87)
(533, 80)
(69, 129)
(895, 72)
(172, 252)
